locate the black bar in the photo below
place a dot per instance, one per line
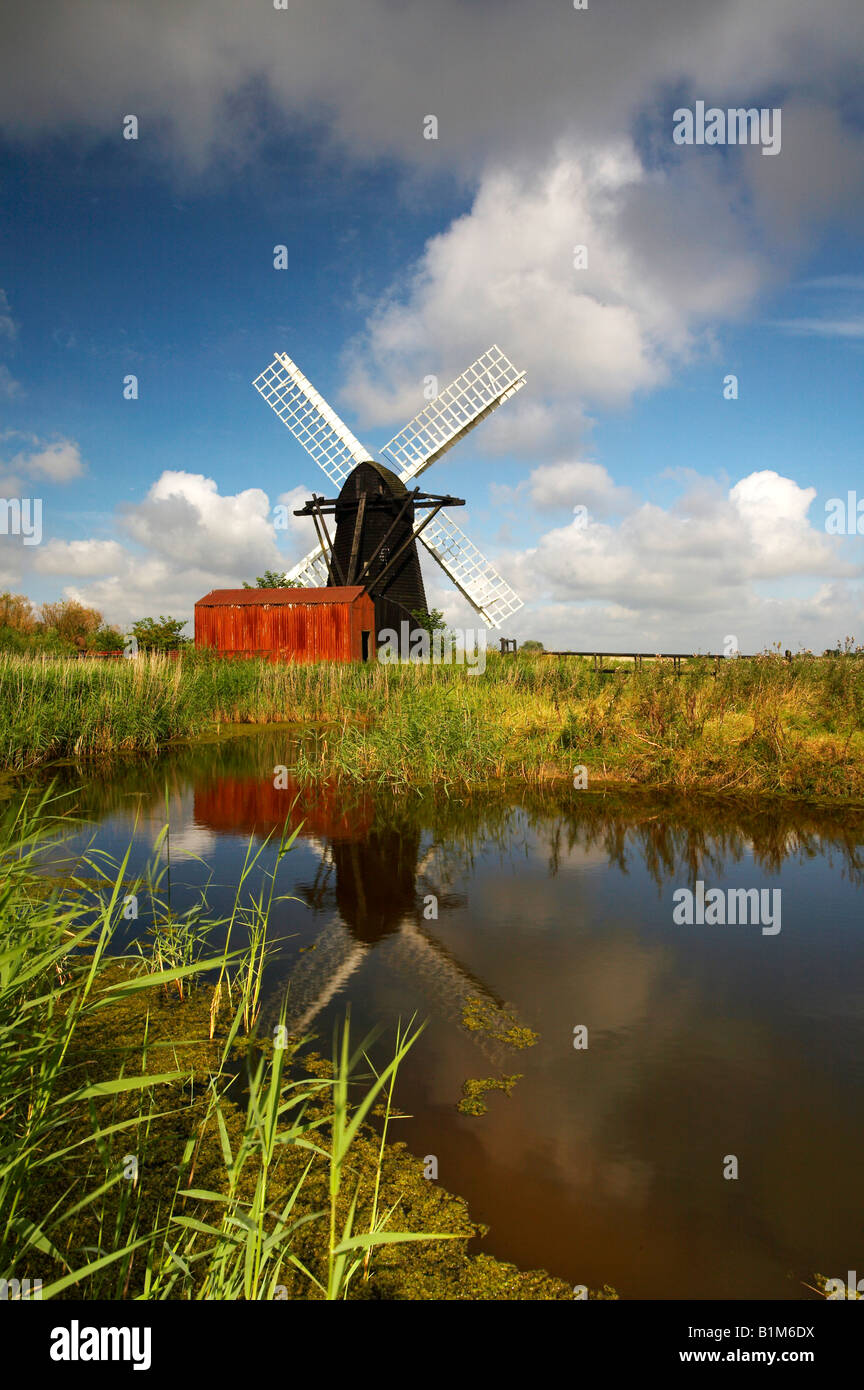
(213, 1339)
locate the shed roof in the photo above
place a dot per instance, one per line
(228, 597)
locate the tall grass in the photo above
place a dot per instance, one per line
(105, 1089)
(754, 724)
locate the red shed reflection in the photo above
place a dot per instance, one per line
(255, 806)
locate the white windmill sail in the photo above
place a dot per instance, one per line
(311, 571)
(486, 384)
(474, 576)
(309, 418)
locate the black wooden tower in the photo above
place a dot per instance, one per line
(375, 540)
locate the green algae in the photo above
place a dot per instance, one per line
(481, 1016)
(475, 1088)
(502, 1026)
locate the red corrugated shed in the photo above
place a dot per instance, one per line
(336, 624)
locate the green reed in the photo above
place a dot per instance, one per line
(759, 724)
(106, 1091)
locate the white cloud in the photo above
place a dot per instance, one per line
(813, 622)
(184, 515)
(564, 486)
(680, 557)
(364, 70)
(299, 534)
(556, 485)
(505, 273)
(682, 578)
(186, 538)
(79, 558)
(59, 462)
(778, 534)
(141, 586)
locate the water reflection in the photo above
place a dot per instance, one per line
(555, 908)
(371, 879)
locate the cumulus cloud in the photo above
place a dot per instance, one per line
(780, 539)
(185, 514)
(747, 560)
(813, 622)
(182, 540)
(553, 486)
(508, 272)
(363, 70)
(685, 575)
(142, 585)
(60, 462)
(556, 124)
(691, 570)
(79, 558)
(559, 130)
(759, 529)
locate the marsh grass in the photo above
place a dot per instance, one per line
(116, 1101)
(758, 724)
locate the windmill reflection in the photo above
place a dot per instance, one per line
(374, 879)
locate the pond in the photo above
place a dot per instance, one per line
(667, 1055)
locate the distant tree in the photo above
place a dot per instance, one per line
(16, 613)
(13, 641)
(58, 629)
(106, 639)
(159, 634)
(72, 622)
(532, 646)
(433, 621)
(271, 579)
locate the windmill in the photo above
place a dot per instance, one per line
(485, 385)
(375, 544)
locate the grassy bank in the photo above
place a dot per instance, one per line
(750, 725)
(155, 1146)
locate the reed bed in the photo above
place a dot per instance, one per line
(761, 724)
(128, 1168)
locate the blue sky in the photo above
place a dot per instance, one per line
(111, 270)
(408, 257)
